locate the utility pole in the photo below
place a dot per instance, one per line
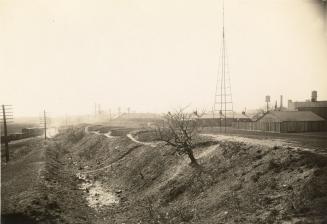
(43, 122)
(7, 116)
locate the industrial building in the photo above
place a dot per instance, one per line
(291, 121)
(313, 105)
(306, 116)
(285, 121)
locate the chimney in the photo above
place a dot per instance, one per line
(281, 102)
(314, 96)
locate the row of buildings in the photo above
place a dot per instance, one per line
(305, 116)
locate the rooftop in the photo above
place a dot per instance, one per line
(296, 104)
(235, 116)
(139, 116)
(295, 116)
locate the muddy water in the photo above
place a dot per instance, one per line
(97, 194)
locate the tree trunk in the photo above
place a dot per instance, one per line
(191, 156)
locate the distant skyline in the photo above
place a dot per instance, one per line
(154, 56)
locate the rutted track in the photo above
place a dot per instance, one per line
(152, 144)
(129, 135)
(108, 135)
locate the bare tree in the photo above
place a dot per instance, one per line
(179, 130)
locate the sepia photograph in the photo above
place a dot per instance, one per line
(163, 111)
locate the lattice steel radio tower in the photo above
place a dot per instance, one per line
(223, 105)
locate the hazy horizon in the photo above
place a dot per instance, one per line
(154, 56)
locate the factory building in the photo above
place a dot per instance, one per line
(291, 121)
(313, 105)
(285, 121)
(306, 116)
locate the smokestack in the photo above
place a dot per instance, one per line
(314, 96)
(281, 102)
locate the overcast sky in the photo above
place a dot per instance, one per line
(152, 55)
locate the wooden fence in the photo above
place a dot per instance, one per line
(289, 126)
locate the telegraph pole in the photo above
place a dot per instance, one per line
(43, 122)
(45, 125)
(6, 115)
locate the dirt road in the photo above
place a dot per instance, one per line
(152, 144)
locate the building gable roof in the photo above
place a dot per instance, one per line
(216, 116)
(127, 116)
(294, 116)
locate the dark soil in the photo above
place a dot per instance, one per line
(236, 182)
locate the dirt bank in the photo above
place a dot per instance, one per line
(238, 182)
(127, 181)
(36, 187)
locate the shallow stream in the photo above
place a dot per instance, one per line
(97, 194)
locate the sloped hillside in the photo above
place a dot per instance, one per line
(89, 177)
(36, 187)
(236, 183)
